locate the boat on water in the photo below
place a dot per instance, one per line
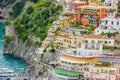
(5, 72)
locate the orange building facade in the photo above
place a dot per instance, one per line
(82, 12)
(78, 4)
(89, 15)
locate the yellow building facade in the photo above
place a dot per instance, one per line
(102, 72)
(67, 40)
(94, 2)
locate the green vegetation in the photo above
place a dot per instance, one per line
(61, 71)
(52, 50)
(60, 47)
(37, 19)
(95, 14)
(37, 43)
(7, 40)
(87, 31)
(118, 10)
(78, 24)
(90, 29)
(7, 22)
(90, 26)
(45, 50)
(4, 3)
(34, 1)
(107, 64)
(111, 48)
(17, 8)
(57, 30)
(109, 34)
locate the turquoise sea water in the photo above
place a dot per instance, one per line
(8, 61)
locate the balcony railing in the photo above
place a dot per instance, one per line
(112, 73)
(90, 10)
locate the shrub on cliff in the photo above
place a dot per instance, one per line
(17, 8)
(37, 19)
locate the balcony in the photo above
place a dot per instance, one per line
(90, 10)
(111, 73)
(111, 10)
(103, 71)
(92, 47)
(82, 55)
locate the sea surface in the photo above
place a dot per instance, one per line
(8, 61)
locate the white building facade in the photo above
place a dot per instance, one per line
(107, 25)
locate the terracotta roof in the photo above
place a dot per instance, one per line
(69, 13)
(93, 36)
(66, 35)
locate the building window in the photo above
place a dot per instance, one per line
(105, 42)
(93, 47)
(110, 4)
(112, 23)
(112, 14)
(106, 22)
(118, 23)
(81, 69)
(109, 41)
(86, 41)
(97, 71)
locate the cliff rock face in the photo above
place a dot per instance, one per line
(13, 8)
(39, 64)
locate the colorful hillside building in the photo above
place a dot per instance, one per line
(72, 64)
(108, 25)
(102, 71)
(111, 7)
(67, 40)
(91, 15)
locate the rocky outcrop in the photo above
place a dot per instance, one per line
(19, 49)
(38, 63)
(6, 6)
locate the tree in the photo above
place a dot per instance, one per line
(78, 24)
(7, 23)
(34, 1)
(29, 10)
(52, 50)
(17, 8)
(92, 27)
(37, 19)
